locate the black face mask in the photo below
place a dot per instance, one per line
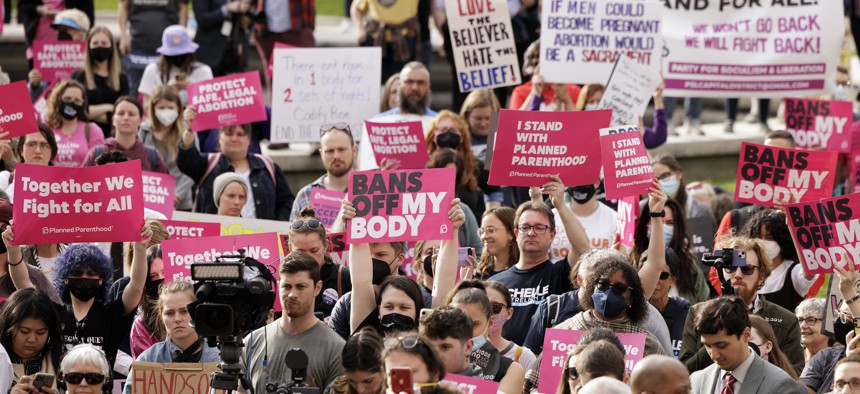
(428, 265)
(84, 289)
(448, 140)
(582, 194)
(176, 61)
(381, 270)
(101, 54)
(153, 288)
(395, 322)
(70, 111)
(841, 329)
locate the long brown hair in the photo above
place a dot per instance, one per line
(506, 216)
(114, 64)
(470, 163)
(171, 139)
(52, 113)
(175, 287)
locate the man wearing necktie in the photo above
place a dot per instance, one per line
(723, 326)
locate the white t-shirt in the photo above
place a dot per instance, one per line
(152, 76)
(776, 279)
(7, 184)
(600, 227)
(527, 357)
(250, 209)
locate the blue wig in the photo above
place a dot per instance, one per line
(82, 257)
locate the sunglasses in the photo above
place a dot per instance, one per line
(92, 378)
(497, 307)
(747, 270)
(665, 275)
(619, 287)
(572, 373)
(301, 224)
(342, 126)
(407, 342)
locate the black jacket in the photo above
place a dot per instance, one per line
(28, 16)
(213, 44)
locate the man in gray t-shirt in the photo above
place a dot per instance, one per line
(268, 346)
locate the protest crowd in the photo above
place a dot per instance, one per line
(528, 238)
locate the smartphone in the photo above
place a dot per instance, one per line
(43, 380)
(739, 256)
(856, 327)
(401, 380)
(463, 256)
(424, 312)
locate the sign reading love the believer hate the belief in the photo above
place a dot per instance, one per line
(626, 166)
(17, 115)
(180, 254)
(71, 205)
(772, 176)
(826, 232)
(227, 101)
(401, 144)
(403, 205)
(819, 123)
(531, 145)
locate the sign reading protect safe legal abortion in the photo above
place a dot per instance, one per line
(17, 115)
(57, 60)
(484, 52)
(69, 205)
(819, 123)
(180, 254)
(158, 192)
(400, 143)
(401, 205)
(626, 166)
(226, 101)
(530, 146)
(772, 176)
(825, 230)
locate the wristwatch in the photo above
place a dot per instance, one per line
(660, 214)
(852, 299)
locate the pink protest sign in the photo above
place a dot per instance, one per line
(70, 205)
(17, 115)
(179, 229)
(180, 254)
(158, 192)
(634, 349)
(628, 208)
(825, 230)
(626, 166)
(470, 385)
(57, 60)
(402, 205)
(557, 344)
(226, 101)
(270, 68)
(819, 123)
(338, 248)
(400, 143)
(326, 203)
(854, 160)
(772, 176)
(531, 145)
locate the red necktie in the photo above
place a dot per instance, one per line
(728, 384)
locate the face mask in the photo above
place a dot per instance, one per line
(608, 303)
(448, 140)
(497, 322)
(166, 116)
(590, 107)
(670, 185)
(84, 289)
(381, 270)
(668, 232)
(428, 265)
(101, 54)
(478, 342)
(841, 329)
(771, 248)
(582, 194)
(153, 288)
(70, 111)
(395, 322)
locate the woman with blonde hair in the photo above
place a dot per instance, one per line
(102, 77)
(66, 113)
(389, 93)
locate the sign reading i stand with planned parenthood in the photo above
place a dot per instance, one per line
(484, 52)
(580, 40)
(751, 48)
(318, 86)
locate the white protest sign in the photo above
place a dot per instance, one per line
(235, 225)
(317, 86)
(771, 48)
(581, 39)
(628, 91)
(484, 52)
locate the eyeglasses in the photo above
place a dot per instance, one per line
(407, 342)
(342, 126)
(489, 230)
(810, 321)
(92, 378)
(497, 307)
(746, 270)
(301, 224)
(618, 287)
(665, 275)
(32, 145)
(539, 229)
(841, 385)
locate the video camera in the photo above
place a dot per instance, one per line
(722, 258)
(233, 293)
(297, 361)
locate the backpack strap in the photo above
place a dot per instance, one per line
(152, 157)
(270, 166)
(97, 151)
(518, 353)
(213, 161)
(553, 305)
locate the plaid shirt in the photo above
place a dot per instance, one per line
(303, 197)
(302, 13)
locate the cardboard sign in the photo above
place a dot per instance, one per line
(57, 60)
(531, 145)
(180, 254)
(470, 385)
(234, 225)
(173, 378)
(701, 233)
(338, 247)
(628, 209)
(772, 176)
(751, 48)
(626, 165)
(824, 230)
(179, 229)
(402, 205)
(628, 91)
(226, 101)
(17, 115)
(401, 143)
(326, 204)
(819, 123)
(158, 192)
(70, 205)
(581, 39)
(485, 55)
(318, 86)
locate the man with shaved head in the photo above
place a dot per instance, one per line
(660, 374)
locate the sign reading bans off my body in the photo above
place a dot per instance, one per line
(826, 232)
(772, 176)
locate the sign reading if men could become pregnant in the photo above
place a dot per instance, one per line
(317, 86)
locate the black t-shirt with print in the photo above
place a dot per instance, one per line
(105, 326)
(675, 315)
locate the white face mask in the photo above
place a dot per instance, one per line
(771, 248)
(166, 116)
